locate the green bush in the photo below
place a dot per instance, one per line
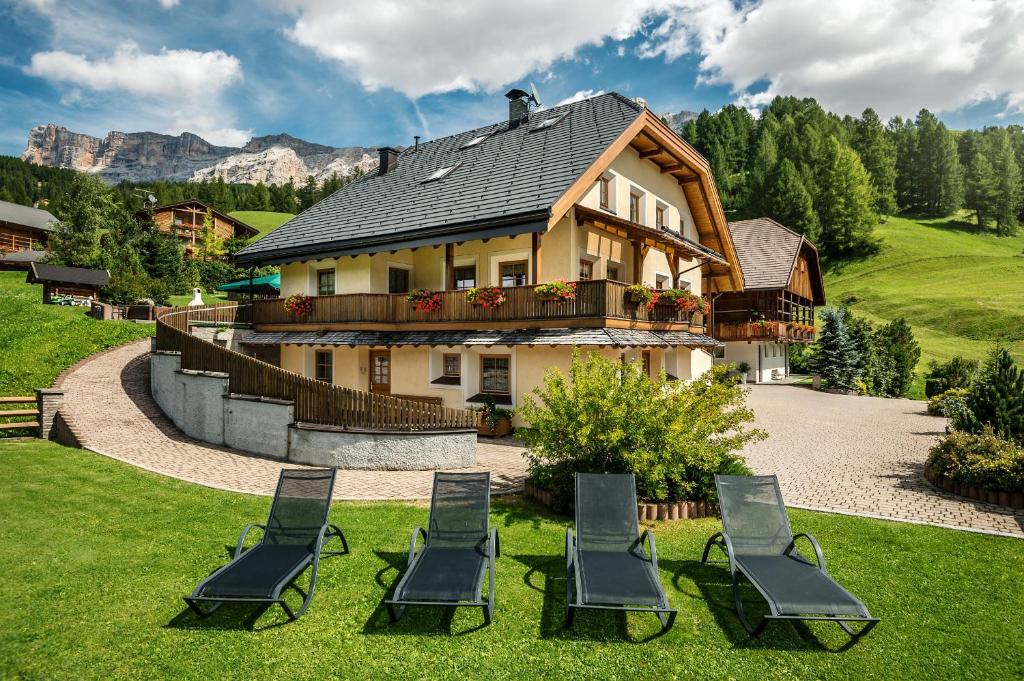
(956, 373)
(607, 417)
(982, 459)
(944, 404)
(996, 399)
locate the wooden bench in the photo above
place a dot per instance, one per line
(9, 413)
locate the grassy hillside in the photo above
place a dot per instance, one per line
(961, 289)
(38, 341)
(265, 221)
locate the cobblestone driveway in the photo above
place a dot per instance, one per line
(860, 455)
(108, 404)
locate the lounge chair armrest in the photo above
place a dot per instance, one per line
(245, 533)
(722, 541)
(814, 544)
(416, 533)
(495, 542)
(569, 546)
(651, 548)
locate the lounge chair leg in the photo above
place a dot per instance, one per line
(667, 619)
(335, 531)
(857, 634)
(393, 613)
(570, 614)
(753, 631)
(199, 611)
(288, 611)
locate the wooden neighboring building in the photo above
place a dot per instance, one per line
(67, 281)
(185, 220)
(782, 284)
(23, 228)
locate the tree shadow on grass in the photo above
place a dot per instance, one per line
(714, 589)
(422, 620)
(546, 575)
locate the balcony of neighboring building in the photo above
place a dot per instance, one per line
(767, 316)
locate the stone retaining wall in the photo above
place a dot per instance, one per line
(677, 510)
(198, 402)
(1013, 500)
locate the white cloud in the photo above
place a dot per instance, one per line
(172, 90)
(422, 46)
(580, 95)
(894, 56)
(169, 72)
(168, 4)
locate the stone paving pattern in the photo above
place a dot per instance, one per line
(857, 455)
(108, 405)
(860, 455)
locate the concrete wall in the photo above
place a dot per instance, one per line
(200, 405)
(762, 358)
(322, 446)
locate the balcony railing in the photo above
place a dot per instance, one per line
(768, 331)
(595, 300)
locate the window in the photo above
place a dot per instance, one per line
(548, 122)
(452, 365)
(634, 207)
(605, 186)
(441, 173)
(325, 282)
(465, 276)
(645, 359)
(513, 273)
(718, 352)
(476, 140)
(659, 217)
(661, 281)
(494, 374)
(325, 366)
(612, 272)
(398, 280)
(586, 270)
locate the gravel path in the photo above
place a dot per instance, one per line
(108, 405)
(862, 456)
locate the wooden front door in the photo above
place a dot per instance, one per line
(380, 372)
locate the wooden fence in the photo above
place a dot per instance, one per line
(597, 298)
(315, 401)
(20, 413)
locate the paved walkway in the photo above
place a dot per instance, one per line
(108, 404)
(860, 455)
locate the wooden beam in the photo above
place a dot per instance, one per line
(638, 262)
(673, 266)
(658, 151)
(449, 267)
(535, 260)
(670, 167)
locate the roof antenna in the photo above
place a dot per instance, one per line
(417, 138)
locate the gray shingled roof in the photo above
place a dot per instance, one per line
(766, 250)
(40, 272)
(36, 218)
(601, 336)
(512, 177)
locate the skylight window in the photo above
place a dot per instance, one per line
(476, 140)
(441, 173)
(548, 122)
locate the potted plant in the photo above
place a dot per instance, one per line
(485, 296)
(559, 290)
(494, 421)
(743, 368)
(424, 300)
(299, 304)
(643, 294)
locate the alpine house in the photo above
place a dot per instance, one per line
(464, 267)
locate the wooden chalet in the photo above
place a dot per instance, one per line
(185, 221)
(23, 228)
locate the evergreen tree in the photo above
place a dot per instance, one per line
(762, 167)
(981, 186)
(166, 262)
(82, 212)
(938, 173)
(996, 399)
(790, 203)
(845, 205)
(1008, 184)
(903, 136)
(878, 155)
(836, 357)
(261, 198)
(211, 245)
(896, 354)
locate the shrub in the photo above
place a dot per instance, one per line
(948, 402)
(612, 418)
(956, 373)
(996, 399)
(124, 288)
(982, 459)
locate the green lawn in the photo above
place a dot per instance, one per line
(960, 289)
(265, 221)
(97, 555)
(38, 341)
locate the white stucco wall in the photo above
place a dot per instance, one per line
(762, 358)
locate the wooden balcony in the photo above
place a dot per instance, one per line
(598, 303)
(773, 332)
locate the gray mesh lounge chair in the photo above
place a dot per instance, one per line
(293, 539)
(458, 551)
(761, 546)
(605, 561)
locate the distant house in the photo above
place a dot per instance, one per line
(23, 228)
(67, 281)
(185, 220)
(781, 285)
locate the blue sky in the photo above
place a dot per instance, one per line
(379, 72)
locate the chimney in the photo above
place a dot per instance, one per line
(388, 159)
(518, 107)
